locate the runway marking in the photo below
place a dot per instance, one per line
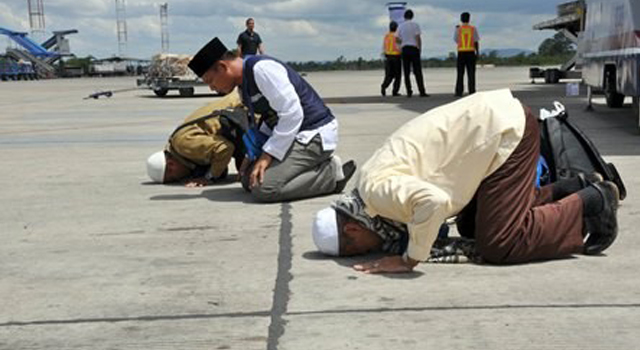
(281, 291)
(80, 128)
(137, 319)
(71, 142)
(319, 312)
(467, 308)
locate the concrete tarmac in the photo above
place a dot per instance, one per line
(92, 256)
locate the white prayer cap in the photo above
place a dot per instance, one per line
(325, 231)
(156, 164)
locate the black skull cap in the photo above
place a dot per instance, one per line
(207, 56)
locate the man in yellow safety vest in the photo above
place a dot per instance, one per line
(468, 41)
(393, 61)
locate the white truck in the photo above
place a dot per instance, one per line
(108, 67)
(610, 50)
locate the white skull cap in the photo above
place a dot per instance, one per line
(156, 165)
(325, 231)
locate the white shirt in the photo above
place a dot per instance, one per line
(430, 168)
(273, 81)
(407, 32)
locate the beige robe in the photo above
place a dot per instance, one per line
(430, 168)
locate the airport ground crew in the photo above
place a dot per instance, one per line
(393, 61)
(467, 40)
(296, 159)
(476, 159)
(200, 149)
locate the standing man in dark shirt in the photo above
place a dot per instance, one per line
(249, 42)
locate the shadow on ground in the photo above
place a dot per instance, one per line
(220, 194)
(176, 96)
(348, 262)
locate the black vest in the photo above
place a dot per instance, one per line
(315, 112)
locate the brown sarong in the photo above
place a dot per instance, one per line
(514, 222)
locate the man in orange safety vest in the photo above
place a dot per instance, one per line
(393, 61)
(468, 41)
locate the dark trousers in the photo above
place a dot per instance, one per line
(466, 60)
(512, 221)
(392, 72)
(411, 58)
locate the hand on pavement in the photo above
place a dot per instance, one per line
(389, 264)
(197, 182)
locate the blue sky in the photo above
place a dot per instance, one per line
(293, 30)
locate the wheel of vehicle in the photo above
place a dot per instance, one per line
(614, 99)
(551, 76)
(161, 92)
(186, 92)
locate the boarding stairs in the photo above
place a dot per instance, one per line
(39, 55)
(43, 68)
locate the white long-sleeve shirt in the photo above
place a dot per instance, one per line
(430, 168)
(273, 81)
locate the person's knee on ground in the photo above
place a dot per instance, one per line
(494, 254)
(273, 190)
(267, 192)
(337, 234)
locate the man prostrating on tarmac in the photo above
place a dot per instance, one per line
(475, 159)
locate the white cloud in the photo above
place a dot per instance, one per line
(78, 9)
(11, 20)
(295, 30)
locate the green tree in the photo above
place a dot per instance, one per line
(82, 62)
(559, 45)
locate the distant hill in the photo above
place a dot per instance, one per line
(506, 53)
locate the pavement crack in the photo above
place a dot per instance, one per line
(468, 308)
(281, 291)
(134, 319)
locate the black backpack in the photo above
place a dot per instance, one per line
(568, 151)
